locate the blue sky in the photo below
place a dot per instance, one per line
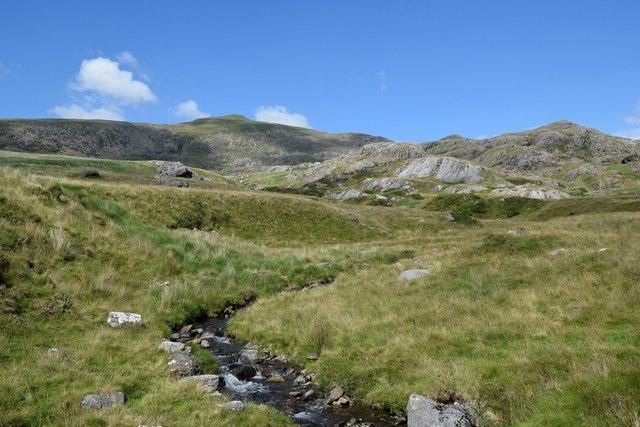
(407, 70)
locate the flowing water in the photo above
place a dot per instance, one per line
(286, 395)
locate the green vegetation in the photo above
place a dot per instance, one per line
(535, 338)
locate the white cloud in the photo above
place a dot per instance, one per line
(279, 114)
(104, 77)
(6, 72)
(77, 112)
(189, 109)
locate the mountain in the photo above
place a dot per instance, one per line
(551, 161)
(225, 144)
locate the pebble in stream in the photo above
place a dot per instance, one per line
(279, 385)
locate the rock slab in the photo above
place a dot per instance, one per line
(422, 412)
(119, 319)
(102, 400)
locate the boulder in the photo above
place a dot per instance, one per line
(242, 372)
(182, 364)
(118, 319)
(250, 355)
(335, 394)
(102, 400)
(210, 382)
(175, 169)
(449, 217)
(413, 274)
(422, 412)
(53, 352)
(558, 251)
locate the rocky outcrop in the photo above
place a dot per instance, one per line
(345, 195)
(444, 169)
(423, 412)
(102, 400)
(392, 151)
(465, 189)
(386, 184)
(530, 192)
(119, 319)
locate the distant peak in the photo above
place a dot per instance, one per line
(454, 136)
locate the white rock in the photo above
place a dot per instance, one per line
(413, 274)
(119, 319)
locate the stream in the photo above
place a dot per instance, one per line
(273, 383)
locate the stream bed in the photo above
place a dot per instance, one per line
(274, 382)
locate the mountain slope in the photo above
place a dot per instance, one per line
(226, 144)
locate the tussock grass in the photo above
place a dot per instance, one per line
(500, 323)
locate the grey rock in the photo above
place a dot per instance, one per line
(205, 343)
(392, 151)
(386, 184)
(345, 195)
(118, 319)
(449, 217)
(309, 395)
(531, 192)
(465, 189)
(446, 169)
(424, 412)
(102, 400)
(174, 347)
(210, 382)
(250, 355)
(275, 378)
(242, 372)
(558, 251)
(181, 364)
(335, 394)
(173, 169)
(53, 352)
(234, 405)
(312, 356)
(413, 274)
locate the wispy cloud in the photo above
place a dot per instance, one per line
(632, 120)
(383, 81)
(280, 114)
(190, 110)
(6, 73)
(127, 58)
(105, 89)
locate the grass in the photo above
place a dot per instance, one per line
(537, 339)
(500, 323)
